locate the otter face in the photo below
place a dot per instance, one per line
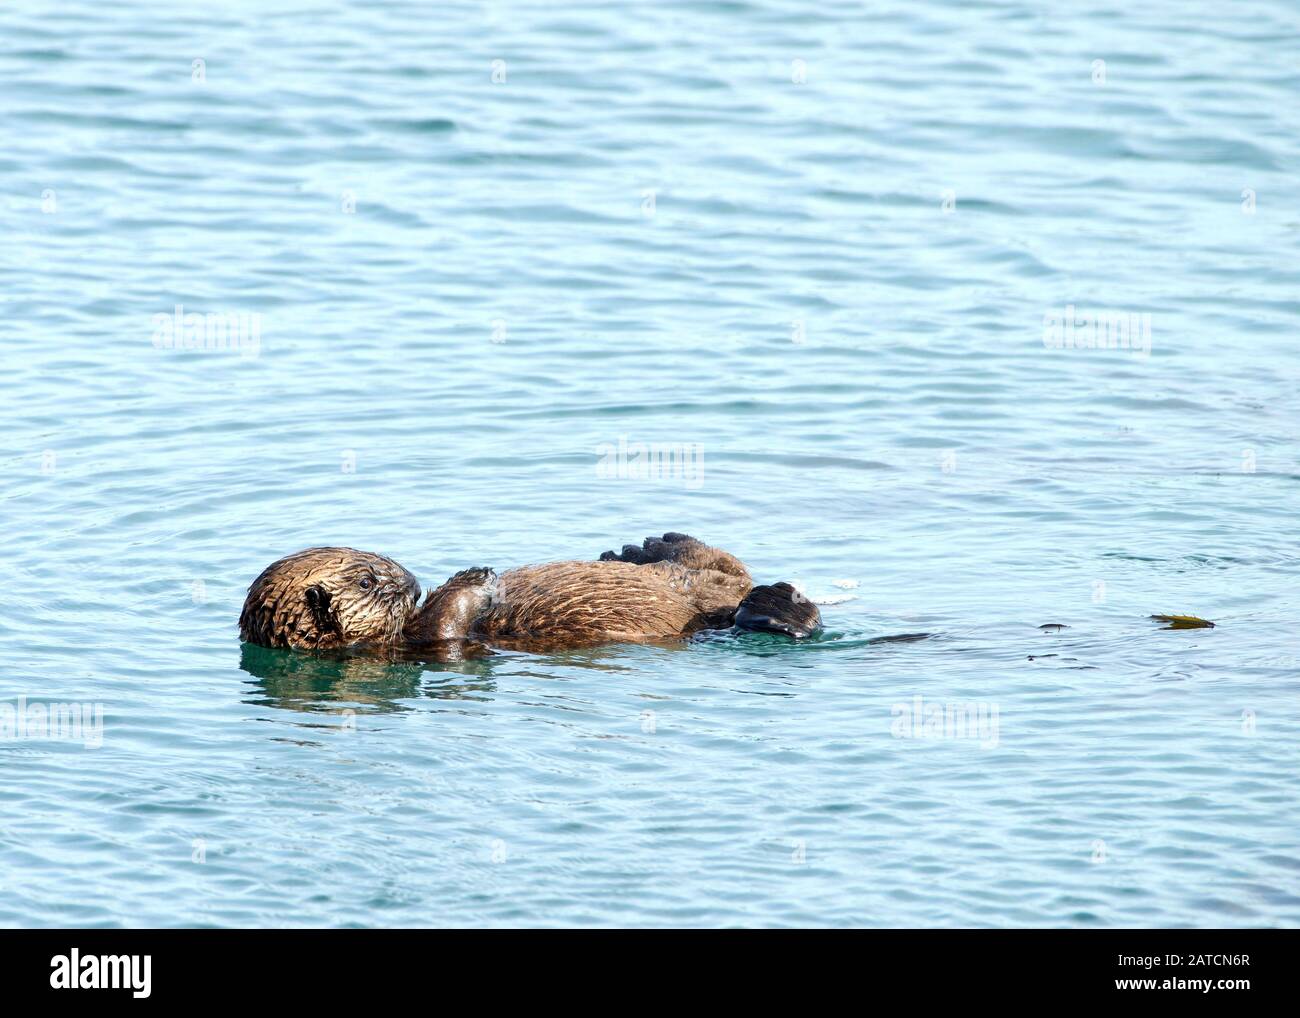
(328, 597)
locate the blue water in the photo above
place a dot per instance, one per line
(813, 249)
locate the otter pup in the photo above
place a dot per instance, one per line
(668, 588)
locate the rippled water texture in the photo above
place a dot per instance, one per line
(816, 251)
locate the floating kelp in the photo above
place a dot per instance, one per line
(1183, 622)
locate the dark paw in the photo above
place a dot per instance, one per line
(652, 549)
(630, 553)
(778, 608)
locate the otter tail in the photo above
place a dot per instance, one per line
(778, 608)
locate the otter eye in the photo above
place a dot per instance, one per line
(366, 583)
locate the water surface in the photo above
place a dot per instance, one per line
(811, 250)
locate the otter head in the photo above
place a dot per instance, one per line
(327, 598)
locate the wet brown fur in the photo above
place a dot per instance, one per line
(666, 588)
(584, 602)
(314, 599)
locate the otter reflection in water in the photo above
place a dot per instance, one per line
(667, 588)
(361, 682)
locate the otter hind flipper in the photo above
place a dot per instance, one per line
(778, 608)
(682, 549)
(449, 612)
(672, 547)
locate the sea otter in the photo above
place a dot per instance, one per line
(669, 587)
(329, 598)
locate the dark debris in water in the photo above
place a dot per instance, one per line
(901, 638)
(1171, 622)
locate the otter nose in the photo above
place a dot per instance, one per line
(413, 588)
